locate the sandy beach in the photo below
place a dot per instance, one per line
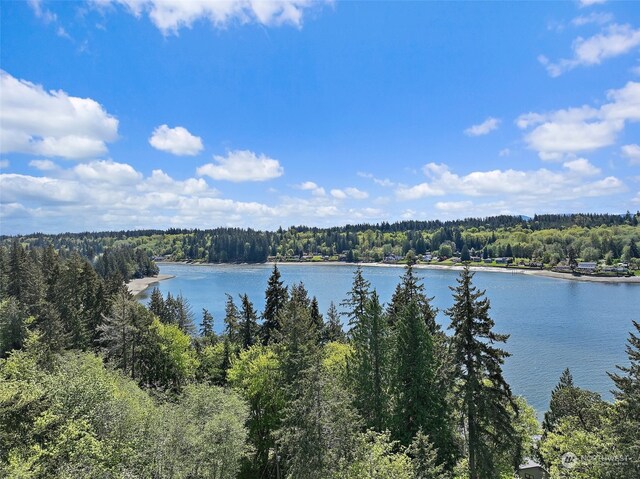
(137, 286)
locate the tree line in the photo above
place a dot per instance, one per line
(543, 238)
(95, 384)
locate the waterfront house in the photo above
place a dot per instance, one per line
(532, 470)
(587, 267)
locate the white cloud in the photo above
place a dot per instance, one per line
(242, 165)
(4, 164)
(582, 166)
(505, 152)
(355, 193)
(575, 130)
(632, 152)
(169, 16)
(483, 128)
(311, 186)
(453, 205)
(107, 172)
(384, 182)
(589, 3)
(51, 124)
(637, 198)
(43, 165)
(535, 184)
(614, 41)
(599, 18)
(177, 141)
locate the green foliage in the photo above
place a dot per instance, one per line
(276, 297)
(369, 366)
(255, 374)
(485, 396)
(375, 457)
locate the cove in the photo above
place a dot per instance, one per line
(553, 323)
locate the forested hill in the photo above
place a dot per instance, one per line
(546, 238)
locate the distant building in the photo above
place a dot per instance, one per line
(532, 470)
(587, 267)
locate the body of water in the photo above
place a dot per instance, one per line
(553, 323)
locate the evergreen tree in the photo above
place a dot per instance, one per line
(319, 426)
(316, 316)
(508, 252)
(424, 458)
(13, 326)
(275, 300)
(627, 394)
(356, 301)
(568, 400)
(184, 315)
(232, 320)
(248, 324)
(333, 327)
(156, 304)
(410, 289)
(465, 256)
(633, 249)
(368, 366)
(485, 395)
(206, 328)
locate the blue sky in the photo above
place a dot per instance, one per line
(155, 114)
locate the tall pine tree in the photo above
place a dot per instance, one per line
(485, 395)
(248, 324)
(275, 300)
(627, 394)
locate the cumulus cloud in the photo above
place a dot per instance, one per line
(51, 123)
(311, 186)
(115, 195)
(169, 16)
(613, 41)
(177, 141)
(355, 193)
(107, 172)
(242, 165)
(632, 152)
(43, 165)
(582, 167)
(575, 130)
(483, 128)
(568, 184)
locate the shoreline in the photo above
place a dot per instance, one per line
(137, 286)
(489, 269)
(474, 268)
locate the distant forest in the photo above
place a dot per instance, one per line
(549, 239)
(94, 384)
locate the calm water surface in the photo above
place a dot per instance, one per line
(553, 323)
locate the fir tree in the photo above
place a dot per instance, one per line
(368, 366)
(248, 324)
(156, 304)
(356, 298)
(275, 300)
(316, 316)
(627, 394)
(333, 327)
(232, 320)
(485, 395)
(206, 328)
(424, 458)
